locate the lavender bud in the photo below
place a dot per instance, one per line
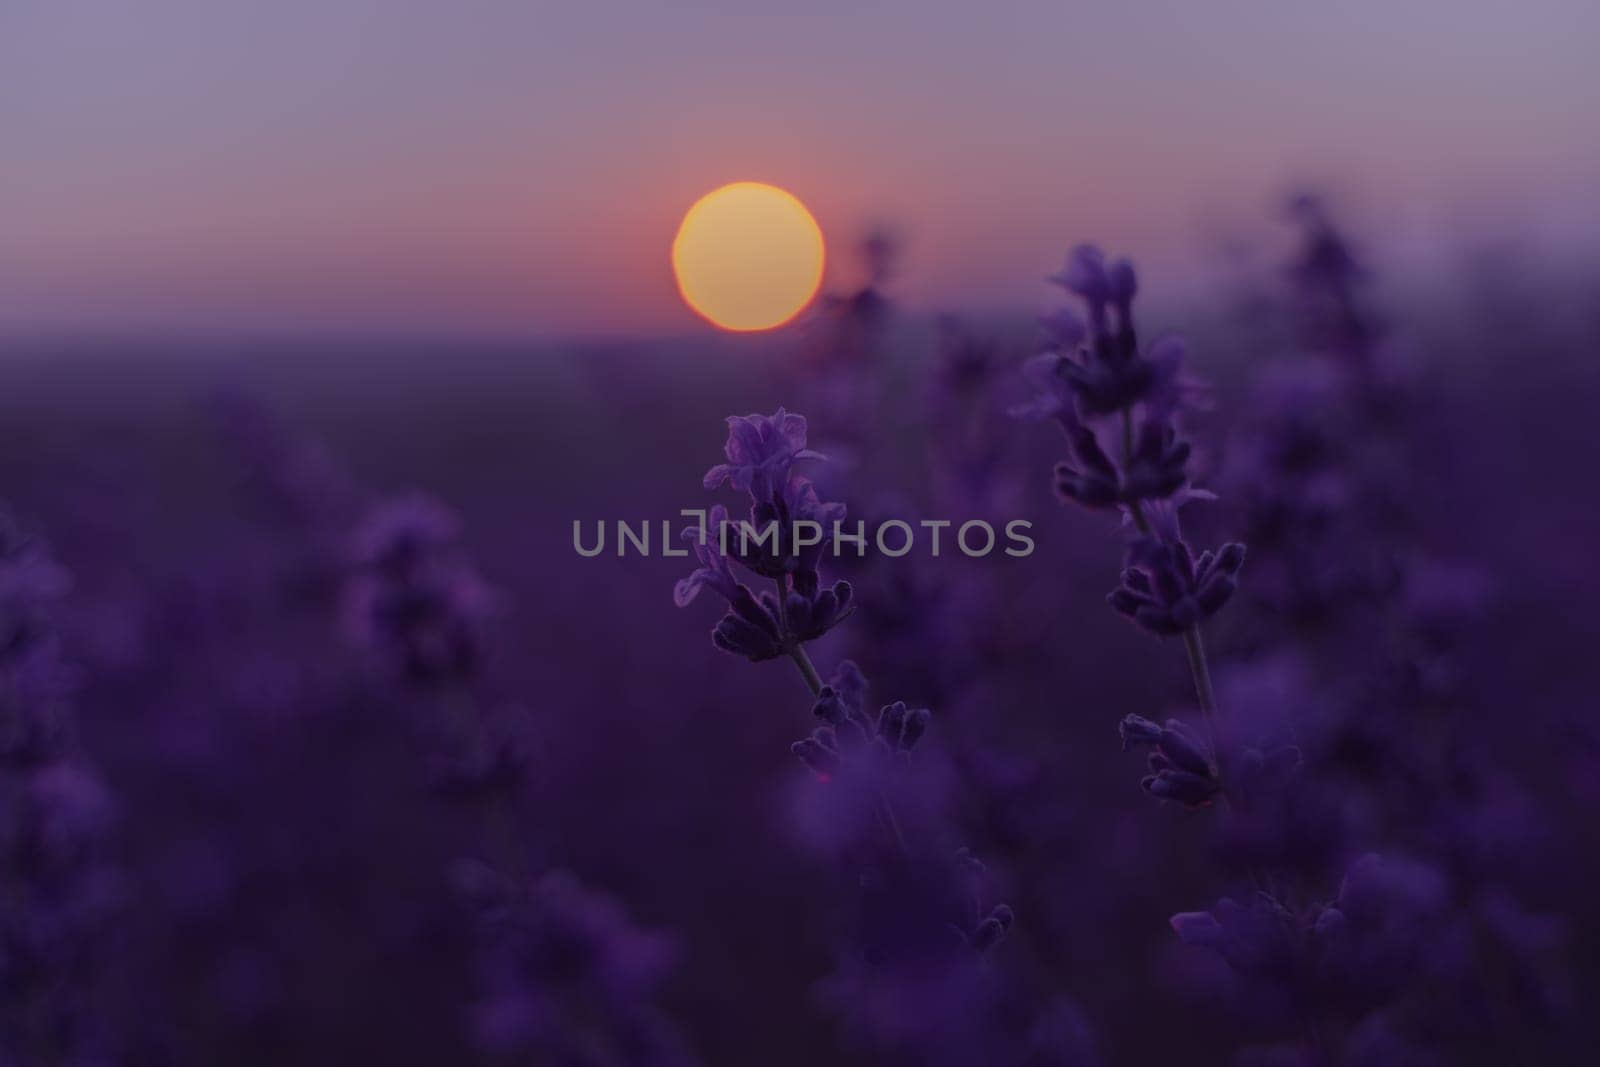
(916, 725)
(992, 930)
(1180, 746)
(820, 760)
(829, 708)
(1193, 790)
(1137, 730)
(1122, 281)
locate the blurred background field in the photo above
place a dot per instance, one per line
(284, 898)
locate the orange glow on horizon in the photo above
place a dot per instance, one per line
(748, 256)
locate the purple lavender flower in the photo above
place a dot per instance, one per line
(1260, 939)
(801, 608)
(1328, 276)
(1053, 398)
(1155, 468)
(714, 570)
(412, 597)
(756, 626)
(1110, 374)
(921, 925)
(55, 816)
(1112, 390)
(760, 451)
(813, 611)
(1377, 929)
(847, 732)
(565, 976)
(993, 928)
(923, 933)
(1066, 331)
(751, 628)
(1085, 274)
(1338, 961)
(1167, 591)
(770, 544)
(1105, 384)
(1181, 768)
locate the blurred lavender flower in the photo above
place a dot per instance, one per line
(565, 976)
(1109, 374)
(60, 893)
(916, 980)
(1154, 468)
(1328, 277)
(412, 597)
(847, 732)
(1338, 960)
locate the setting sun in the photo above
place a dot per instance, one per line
(748, 256)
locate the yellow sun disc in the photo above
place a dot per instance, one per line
(748, 256)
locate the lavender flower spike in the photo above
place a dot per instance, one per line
(760, 451)
(1155, 469)
(1167, 591)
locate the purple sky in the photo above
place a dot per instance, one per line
(467, 164)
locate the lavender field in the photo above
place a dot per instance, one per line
(321, 741)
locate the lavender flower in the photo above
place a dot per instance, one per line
(1181, 769)
(412, 597)
(1155, 468)
(565, 976)
(1259, 939)
(55, 816)
(760, 451)
(914, 909)
(1338, 960)
(714, 570)
(1110, 374)
(1167, 591)
(1165, 588)
(847, 732)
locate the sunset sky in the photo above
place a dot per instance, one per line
(522, 166)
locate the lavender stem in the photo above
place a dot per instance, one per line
(1194, 645)
(797, 650)
(1199, 669)
(808, 671)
